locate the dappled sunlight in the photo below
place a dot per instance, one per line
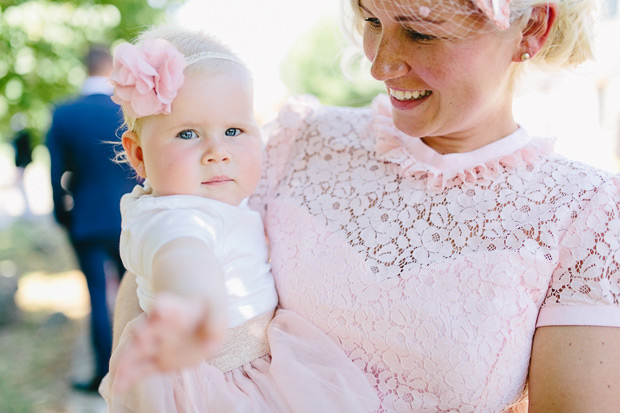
(38, 188)
(65, 292)
(52, 21)
(12, 202)
(7, 167)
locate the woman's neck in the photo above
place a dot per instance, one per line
(475, 137)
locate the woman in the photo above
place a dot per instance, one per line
(448, 252)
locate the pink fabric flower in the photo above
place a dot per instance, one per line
(146, 79)
(496, 10)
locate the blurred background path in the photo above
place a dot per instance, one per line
(43, 327)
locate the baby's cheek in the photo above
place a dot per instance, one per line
(253, 172)
(257, 170)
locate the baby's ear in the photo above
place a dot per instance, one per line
(132, 147)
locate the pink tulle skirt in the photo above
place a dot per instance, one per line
(304, 372)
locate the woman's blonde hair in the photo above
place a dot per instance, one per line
(569, 43)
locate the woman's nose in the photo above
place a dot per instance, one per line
(389, 62)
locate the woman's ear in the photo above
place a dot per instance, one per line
(132, 147)
(536, 30)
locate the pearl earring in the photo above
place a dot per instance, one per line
(525, 56)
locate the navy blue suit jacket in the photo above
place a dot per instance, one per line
(78, 142)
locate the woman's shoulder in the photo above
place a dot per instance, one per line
(581, 193)
(310, 105)
(302, 113)
(584, 178)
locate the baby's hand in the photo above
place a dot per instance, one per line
(179, 332)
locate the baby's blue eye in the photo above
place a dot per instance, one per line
(232, 132)
(187, 134)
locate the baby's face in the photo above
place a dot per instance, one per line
(210, 144)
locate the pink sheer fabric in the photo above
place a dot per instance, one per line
(432, 271)
(305, 372)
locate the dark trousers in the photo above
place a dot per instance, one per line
(94, 257)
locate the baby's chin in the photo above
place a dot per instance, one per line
(220, 196)
(230, 200)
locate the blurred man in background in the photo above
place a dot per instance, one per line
(87, 186)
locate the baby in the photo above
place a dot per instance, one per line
(210, 338)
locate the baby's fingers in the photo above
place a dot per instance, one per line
(183, 313)
(138, 357)
(128, 375)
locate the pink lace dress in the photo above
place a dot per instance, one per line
(433, 271)
(271, 361)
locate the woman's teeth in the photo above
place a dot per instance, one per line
(409, 95)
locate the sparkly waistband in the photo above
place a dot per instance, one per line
(243, 344)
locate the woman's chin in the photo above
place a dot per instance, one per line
(409, 127)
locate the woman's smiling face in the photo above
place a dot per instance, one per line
(448, 75)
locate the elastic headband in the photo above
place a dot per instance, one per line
(211, 55)
(147, 78)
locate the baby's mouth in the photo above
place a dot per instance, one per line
(218, 180)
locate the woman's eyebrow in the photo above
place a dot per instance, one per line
(361, 6)
(405, 19)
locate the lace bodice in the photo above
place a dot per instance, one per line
(432, 271)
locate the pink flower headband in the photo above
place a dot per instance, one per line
(496, 10)
(146, 79)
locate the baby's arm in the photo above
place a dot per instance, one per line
(187, 321)
(126, 307)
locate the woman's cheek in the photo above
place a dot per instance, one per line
(370, 40)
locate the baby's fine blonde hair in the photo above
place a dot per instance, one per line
(189, 43)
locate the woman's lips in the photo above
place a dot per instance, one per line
(408, 94)
(406, 100)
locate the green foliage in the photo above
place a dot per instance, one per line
(314, 66)
(42, 43)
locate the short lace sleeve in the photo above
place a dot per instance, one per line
(283, 134)
(585, 287)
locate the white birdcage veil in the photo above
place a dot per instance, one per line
(569, 43)
(453, 18)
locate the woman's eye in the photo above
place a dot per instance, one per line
(419, 36)
(373, 22)
(232, 132)
(187, 134)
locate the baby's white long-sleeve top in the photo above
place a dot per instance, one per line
(234, 233)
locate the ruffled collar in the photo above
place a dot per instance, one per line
(414, 158)
(141, 199)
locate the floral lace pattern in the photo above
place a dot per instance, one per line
(433, 282)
